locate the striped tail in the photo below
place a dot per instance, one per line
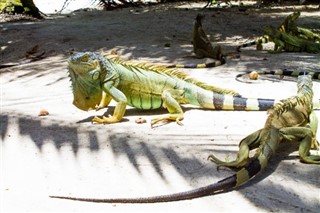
(212, 100)
(205, 65)
(262, 40)
(284, 72)
(246, 45)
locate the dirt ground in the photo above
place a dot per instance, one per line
(65, 154)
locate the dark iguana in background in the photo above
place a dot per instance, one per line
(96, 80)
(289, 43)
(292, 119)
(202, 46)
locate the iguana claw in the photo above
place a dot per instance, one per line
(167, 118)
(105, 120)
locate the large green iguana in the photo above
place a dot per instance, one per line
(290, 120)
(286, 26)
(96, 80)
(290, 43)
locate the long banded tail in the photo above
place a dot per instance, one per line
(212, 100)
(284, 72)
(261, 40)
(205, 65)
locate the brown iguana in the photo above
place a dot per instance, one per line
(202, 46)
(96, 80)
(292, 119)
(290, 43)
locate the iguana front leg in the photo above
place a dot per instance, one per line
(112, 93)
(250, 142)
(171, 100)
(105, 100)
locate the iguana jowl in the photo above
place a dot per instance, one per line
(97, 79)
(292, 119)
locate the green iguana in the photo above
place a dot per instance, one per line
(286, 26)
(290, 43)
(290, 120)
(202, 46)
(290, 26)
(96, 80)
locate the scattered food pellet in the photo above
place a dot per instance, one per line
(43, 112)
(253, 75)
(140, 120)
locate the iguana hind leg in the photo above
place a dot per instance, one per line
(306, 138)
(250, 142)
(111, 92)
(171, 100)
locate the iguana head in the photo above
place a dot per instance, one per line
(86, 78)
(199, 18)
(293, 16)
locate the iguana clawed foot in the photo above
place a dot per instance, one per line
(306, 138)
(167, 118)
(236, 163)
(105, 120)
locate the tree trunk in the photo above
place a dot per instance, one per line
(20, 7)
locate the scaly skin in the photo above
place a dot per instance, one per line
(290, 120)
(96, 80)
(308, 34)
(289, 43)
(288, 25)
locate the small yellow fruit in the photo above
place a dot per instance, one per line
(253, 75)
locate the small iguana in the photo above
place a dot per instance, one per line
(96, 80)
(202, 46)
(290, 120)
(288, 25)
(290, 43)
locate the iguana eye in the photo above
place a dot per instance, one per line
(84, 58)
(96, 75)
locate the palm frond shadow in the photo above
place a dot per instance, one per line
(189, 160)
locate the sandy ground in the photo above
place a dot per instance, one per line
(64, 154)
